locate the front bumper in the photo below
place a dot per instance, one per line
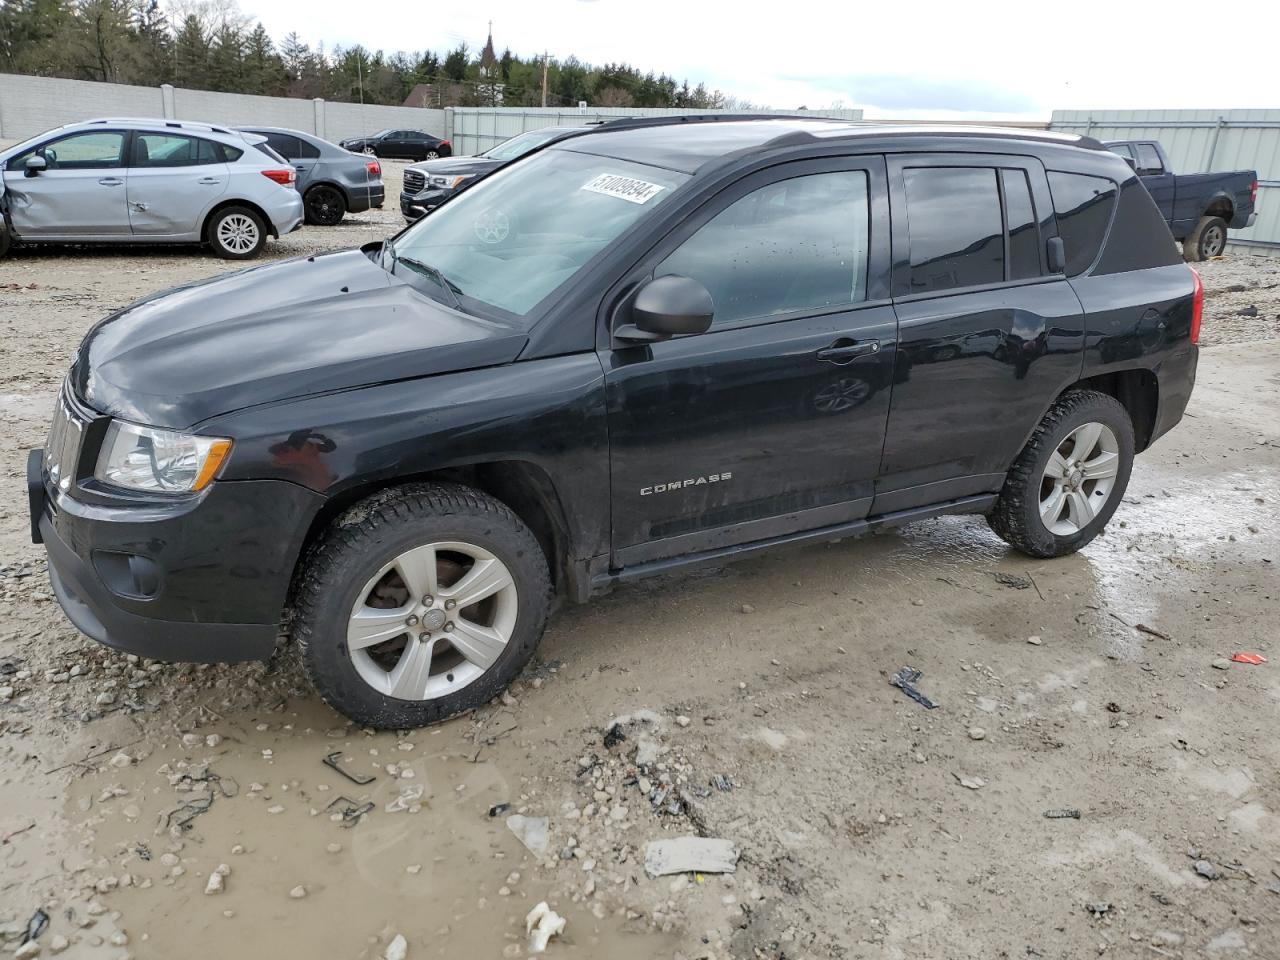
(416, 206)
(203, 580)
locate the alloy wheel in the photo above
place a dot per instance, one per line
(238, 233)
(432, 621)
(324, 205)
(1079, 479)
(1214, 241)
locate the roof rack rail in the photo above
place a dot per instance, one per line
(668, 120)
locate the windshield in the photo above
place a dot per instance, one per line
(380, 133)
(520, 144)
(520, 233)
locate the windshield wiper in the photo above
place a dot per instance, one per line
(430, 272)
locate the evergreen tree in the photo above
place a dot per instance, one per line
(191, 55)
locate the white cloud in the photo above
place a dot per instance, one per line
(928, 57)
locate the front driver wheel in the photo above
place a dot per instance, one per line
(1069, 478)
(419, 604)
(325, 205)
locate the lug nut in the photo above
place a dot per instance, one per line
(424, 637)
(448, 627)
(412, 621)
(450, 604)
(428, 600)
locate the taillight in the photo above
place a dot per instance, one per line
(1253, 192)
(283, 177)
(374, 168)
(446, 143)
(1197, 306)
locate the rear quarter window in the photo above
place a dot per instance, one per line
(1139, 238)
(1083, 206)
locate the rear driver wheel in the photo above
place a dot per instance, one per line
(1207, 240)
(427, 605)
(325, 205)
(1069, 478)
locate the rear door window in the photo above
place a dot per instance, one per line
(1083, 206)
(307, 150)
(284, 145)
(1024, 231)
(955, 226)
(1121, 150)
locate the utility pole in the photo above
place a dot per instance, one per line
(544, 78)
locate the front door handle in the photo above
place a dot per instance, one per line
(209, 180)
(111, 181)
(846, 350)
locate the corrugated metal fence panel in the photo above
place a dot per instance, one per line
(473, 130)
(1203, 141)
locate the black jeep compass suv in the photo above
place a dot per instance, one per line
(650, 344)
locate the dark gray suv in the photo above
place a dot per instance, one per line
(332, 181)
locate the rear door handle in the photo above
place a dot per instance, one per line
(846, 350)
(111, 181)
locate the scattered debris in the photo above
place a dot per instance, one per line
(36, 925)
(397, 949)
(1221, 663)
(352, 811)
(298, 892)
(1143, 628)
(541, 925)
(333, 761)
(689, 855)
(1253, 659)
(1066, 813)
(498, 808)
(722, 783)
(13, 833)
(1035, 640)
(1113, 707)
(410, 798)
(216, 880)
(1207, 870)
(972, 783)
(905, 680)
(613, 736)
(1011, 580)
(977, 733)
(1099, 909)
(531, 831)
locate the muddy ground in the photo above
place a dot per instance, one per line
(867, 826)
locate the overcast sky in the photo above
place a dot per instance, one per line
(935, 58)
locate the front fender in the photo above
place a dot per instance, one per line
(549, 413)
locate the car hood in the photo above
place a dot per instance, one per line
(452, 166)
(276, 332)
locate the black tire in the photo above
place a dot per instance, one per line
(1016, 517)
(1206, 240)
(431, 155)
(5, 241)
(325, 205)
(373, 534)
(228, 249)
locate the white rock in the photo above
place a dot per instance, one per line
(531, 831)
(977, 733)
(58, 943)
(214, 885)
(298, 892)
(689, 855)
(541, 925)
(1034, 640)
(29, 949)
(397, 949)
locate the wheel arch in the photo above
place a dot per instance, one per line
(1138, 391)
(521, 485)
(329, 182)
(236, 202)
(1220, 205)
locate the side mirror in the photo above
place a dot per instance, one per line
(670, 306)
(1057, 254)
(35, 165)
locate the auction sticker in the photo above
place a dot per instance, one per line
(624, 188)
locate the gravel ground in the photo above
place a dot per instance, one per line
(756, 707)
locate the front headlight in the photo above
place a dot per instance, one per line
(448, 182)
(159, 461)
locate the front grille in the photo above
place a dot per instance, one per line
(414, 181)
(62, 451)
